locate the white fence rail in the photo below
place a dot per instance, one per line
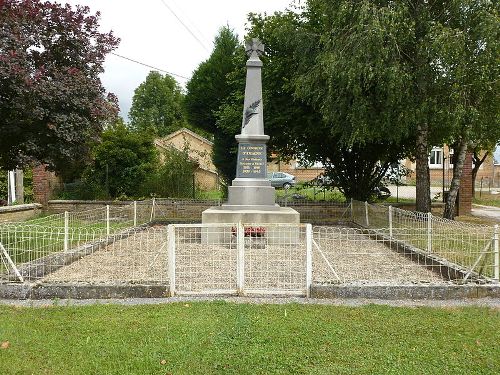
(110, 245)
(240, 258)
(471, 247)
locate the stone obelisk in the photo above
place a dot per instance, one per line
(251, 197)
(251, 188)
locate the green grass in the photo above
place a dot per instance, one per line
(312, 193)
(487, 199)
(226, 338)
(27, 241)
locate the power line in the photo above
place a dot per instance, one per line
(190, 22)
(185, 26)
(147, 65)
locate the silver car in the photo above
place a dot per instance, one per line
(281, 179)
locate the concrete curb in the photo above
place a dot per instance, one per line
(402, 292)
(84, 291)
(37, 291)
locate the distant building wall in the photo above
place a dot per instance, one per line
(292, 167)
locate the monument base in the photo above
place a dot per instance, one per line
(273, 235)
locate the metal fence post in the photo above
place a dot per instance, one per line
(366, 215)
(107, 220)
(66, 230)
(496, 254)
(152, 216)
(390, 221)
(11, 263)
(429, 232)
(309, 240)
(171, 259)
(352, 210)
(135, 213)
(240, 259)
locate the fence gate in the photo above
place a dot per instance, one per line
(239, 259)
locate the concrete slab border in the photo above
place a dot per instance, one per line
(38, 291)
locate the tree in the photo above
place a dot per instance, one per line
(209, 87)
(387, 72)
(52, 102)
(174, 178)
(468, 46)
(295, 114)
(157, 105)
(122, 161)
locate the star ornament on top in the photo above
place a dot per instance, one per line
(254, 48)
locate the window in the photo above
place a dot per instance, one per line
(436, 157)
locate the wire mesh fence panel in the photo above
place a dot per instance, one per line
(469, 246)
(181, 209)
(346, 255)
(136, 255)
(275, 258)
(205, 259)
(319, 212)
(38, 250)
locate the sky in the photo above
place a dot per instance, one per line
(159, 33)
(150, 33)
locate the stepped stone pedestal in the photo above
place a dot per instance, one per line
(251, 197)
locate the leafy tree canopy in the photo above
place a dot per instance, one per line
(213, 83)
(122, 161)
(407, 75)
(52, 102)
(208, 86)
(157, 105)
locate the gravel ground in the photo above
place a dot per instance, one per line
(142, 258)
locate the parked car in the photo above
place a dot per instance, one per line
(382, 192)
(281, 179)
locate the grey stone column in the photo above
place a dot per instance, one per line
(251, 189)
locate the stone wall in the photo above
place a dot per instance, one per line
(19, 212)
(313, 212)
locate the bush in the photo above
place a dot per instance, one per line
(173, 178)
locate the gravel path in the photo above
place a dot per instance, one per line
(142, 258)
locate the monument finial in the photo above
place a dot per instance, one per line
(254, 48)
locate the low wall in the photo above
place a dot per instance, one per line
(19, 212)
(59, 206)
(310, 212)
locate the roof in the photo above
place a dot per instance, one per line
(190, 132)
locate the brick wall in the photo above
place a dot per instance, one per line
(44, 184)
(464, 203)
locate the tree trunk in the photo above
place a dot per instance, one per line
(477, 164)
(423, 188)
(449, 209)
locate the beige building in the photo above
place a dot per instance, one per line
(441, 167)
(199, 150)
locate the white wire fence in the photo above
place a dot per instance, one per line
(464, 250)
(129, 244)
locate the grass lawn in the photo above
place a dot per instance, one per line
(26, 242)
(487, 199)
(221, 337)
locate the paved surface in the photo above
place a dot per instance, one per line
(409, 192)
(486, 211)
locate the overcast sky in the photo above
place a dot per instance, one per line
(152, 34)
